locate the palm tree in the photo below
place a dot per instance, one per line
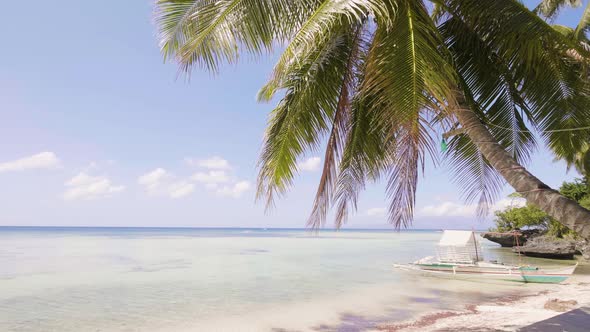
(579, 158)
(379, 81)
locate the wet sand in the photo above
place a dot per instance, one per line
(510, 313)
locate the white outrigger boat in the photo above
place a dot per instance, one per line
(459, 255)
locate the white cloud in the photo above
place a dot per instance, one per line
(213, 163)
(153, 180)
(236, 190)
(180, 189)
(84, 186)
(378, 212)
(43, 160)
(82, 179)
(448, 209)
(216, 177)
(452, 209)
(309, 164)
(161, 182)
(211, 177)
(509, 202)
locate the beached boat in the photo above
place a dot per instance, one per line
(459, 255)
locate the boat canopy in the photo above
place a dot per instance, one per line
(459, 247)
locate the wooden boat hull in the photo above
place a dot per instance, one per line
(492, 271)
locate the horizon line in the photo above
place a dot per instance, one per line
(237, 227)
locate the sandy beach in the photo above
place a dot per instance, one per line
(537, 303)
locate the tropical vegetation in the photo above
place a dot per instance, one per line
(516, 217)
(377, 83)
(526, 217)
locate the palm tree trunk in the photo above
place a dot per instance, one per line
(563, 209)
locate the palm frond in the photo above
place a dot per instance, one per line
(305, 113)
(551, 83)
(208, 33)
(583, 24)
(473, 173)
(569, 142)
(413, 140)
(339, 132)
(313, 32)
(174, 20)
(366, 155)
(406, 76)
(492, 86)
(570, 33)
(406, 69)
(551, 8)
(512, 29)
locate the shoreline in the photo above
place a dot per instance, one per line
(505, 313)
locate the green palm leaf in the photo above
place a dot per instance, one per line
(340, 128)
(582, 26)
(473, 173)
(313, 32)
(406, 77)
(493, 88)
(366, 155)
(549, 82)
(207, 33)
(550, 8)
(305, 113)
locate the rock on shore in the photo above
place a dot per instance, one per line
(548, 247)
(583, 248)
(508, 239)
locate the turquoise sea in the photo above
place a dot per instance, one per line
(208, 279)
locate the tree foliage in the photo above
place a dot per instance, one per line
(578, 158)
(514, 218)
(529, 216)
(373, 84)
(576, 190)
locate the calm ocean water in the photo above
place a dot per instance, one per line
(184, 279)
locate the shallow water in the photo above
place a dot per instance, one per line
(124, 279)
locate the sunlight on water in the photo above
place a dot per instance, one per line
(103, 279)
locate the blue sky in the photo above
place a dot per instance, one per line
(97, 131)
